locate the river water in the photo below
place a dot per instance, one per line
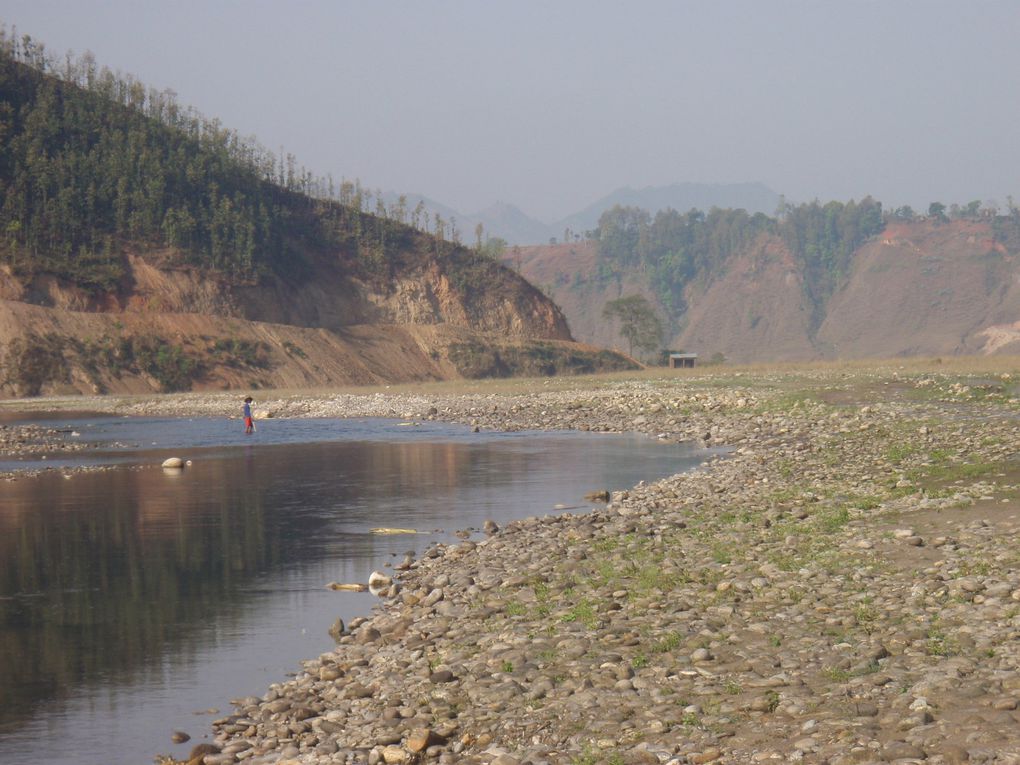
(134, 602)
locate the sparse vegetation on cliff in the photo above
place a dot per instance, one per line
(675, 249)
(536, 359)
(32, 363)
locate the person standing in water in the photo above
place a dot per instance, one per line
(249, 424)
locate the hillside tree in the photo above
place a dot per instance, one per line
(639, 324)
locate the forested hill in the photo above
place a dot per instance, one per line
(118, 202)
(834, 280)
(93, 163)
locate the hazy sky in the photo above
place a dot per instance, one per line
(553, 104)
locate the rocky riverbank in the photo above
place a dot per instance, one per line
(842, 587)
(19, 441)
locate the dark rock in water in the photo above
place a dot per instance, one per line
(597, 496)
(179, 737)
(201, 750)
(337, 630)
(490, 527)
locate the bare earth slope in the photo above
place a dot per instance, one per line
(927, 290)
(325, 329)
(567, 273)
(755, 307)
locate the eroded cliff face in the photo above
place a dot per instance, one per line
(569, 274)
(178, 327)
(427, 296)
(755, 309)
(920, 288)
(927, 289)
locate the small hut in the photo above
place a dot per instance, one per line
(682, 360)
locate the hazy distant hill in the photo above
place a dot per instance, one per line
(509, 222)
(502, 220)
(753, 197)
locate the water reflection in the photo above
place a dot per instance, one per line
(121, 582)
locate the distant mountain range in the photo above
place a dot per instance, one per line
(509, 222)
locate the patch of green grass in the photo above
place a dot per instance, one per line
(721, 554)
(690, 720)
(787, 494)
(869, 669)
(866, 502)
(836, 674)
(947, 473)
(588, 756)
(582, 612)
(899, 452)
(786, 467)
(784, 561)
(865, 615)
(606, 545)
(515, 608)
(786, 402)
(939, 643)
(975, 568)
(640, 661)
(833, 520)
(652, 577)
(668, 643)
(547, 654)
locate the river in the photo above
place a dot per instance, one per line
(136, 601)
